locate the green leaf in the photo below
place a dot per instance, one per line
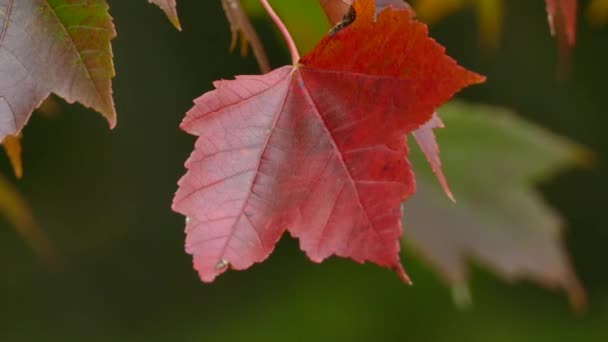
(54, 46)
(492, 159)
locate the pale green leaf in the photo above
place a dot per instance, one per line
(493, 160)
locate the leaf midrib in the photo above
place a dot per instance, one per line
(342, 162)
(7, 16)
(81, 61)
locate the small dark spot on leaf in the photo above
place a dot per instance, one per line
(348, 19)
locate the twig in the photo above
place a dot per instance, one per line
(293, 50)
(239, 23)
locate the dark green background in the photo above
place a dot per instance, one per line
(104, 199)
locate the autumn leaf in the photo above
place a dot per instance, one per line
(425, 138)
(317, 149)
(561, 15)
(335, 9)
(12, 146)
(597, 12)
(15, 210)
(170, 9)
(562, 22)
(54, 46)
(489, 15)
(562, 19)
(494, 159)
(431, 11)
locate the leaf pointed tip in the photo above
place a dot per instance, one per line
(170, 9)
(208, 274)
(107, 110)
(112, 121)
(476, 78)
(402, 275)
(175, 21)
(12, 146)
(451, 196)
(207, 279)
(577, 296)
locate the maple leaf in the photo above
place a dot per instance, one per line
(562, 19)
(500, 221)
(12, 146)
(16, 210)
(561, 15)
(489, 14)
(597, 12)
(562, 22)
(59, 46)
(170, 9)
(317, 149)
(424, 135)
(335, 9)
(425, 138)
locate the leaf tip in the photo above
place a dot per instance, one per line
(476, 78)
(402, 275)
(12, 146)
(175, 21)
(584, 158)
(206, 273)
(108, 111)
(112, 121)
(577, 297)
(450, 195)
(426, 140)
(169, 7)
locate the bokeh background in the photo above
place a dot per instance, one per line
(103, 198)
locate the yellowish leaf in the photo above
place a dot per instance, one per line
(490, 21)
(15, 210)
(597, 12)
(12, 146)
(431, 11)
(489, 12)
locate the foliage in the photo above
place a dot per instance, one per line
(317, 148)
(493, 159)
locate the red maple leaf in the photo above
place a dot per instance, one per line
(562, 19)
(317, 149)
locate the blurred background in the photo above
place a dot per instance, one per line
(103, 198)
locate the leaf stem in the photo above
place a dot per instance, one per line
(291, 45)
